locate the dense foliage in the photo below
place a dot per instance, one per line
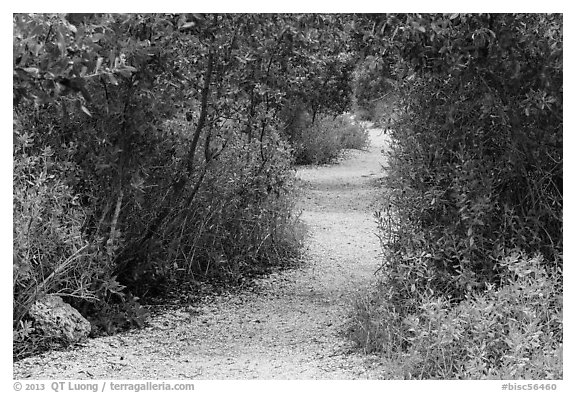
(475, 175)
(155, 152)
(321, 141)
(509, 331)
(373, 89)
(151, 151)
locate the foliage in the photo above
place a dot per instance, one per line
(475, 172)
(322, 141)
(148, 150)
(477, 164)
(509, 331)
(51, 253)
(156, 149)
(372, 84)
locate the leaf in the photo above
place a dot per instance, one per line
(125, 73)
(453, 16)
(85, 94)
(85, 110)
(61, 42)
(98, 64)
(38, 30)
(187, 25)
(32, 70)
(112, 79)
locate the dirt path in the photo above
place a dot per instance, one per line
(289, 330)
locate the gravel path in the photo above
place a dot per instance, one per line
(289, 329)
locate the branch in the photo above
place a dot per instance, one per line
(203, 112)
(113, 231)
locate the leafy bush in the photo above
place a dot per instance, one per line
(371, 85)
(475, 165)
(475, 172)
(509, 331)
(322, 141)
(353, 135)
(51, 253)
(240, 221)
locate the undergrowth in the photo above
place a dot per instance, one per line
(241, 222)
(322, 141)
(512, 330)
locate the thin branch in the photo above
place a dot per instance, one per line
(203, 112)
(113, 231)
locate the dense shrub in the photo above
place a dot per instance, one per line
(45, 252)
(512, 330)
(371, 81)
(371, 86)
(241, 219)
(476, 164)
(375, 91)
(322, 141)
(352, 135)
(475, 172)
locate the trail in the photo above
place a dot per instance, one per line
(290, 329)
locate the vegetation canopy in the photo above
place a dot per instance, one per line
(154, 156)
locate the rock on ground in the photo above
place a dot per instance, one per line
(59, 320)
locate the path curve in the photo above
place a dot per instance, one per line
(290, 329)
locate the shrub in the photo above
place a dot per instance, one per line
(510, 331)
(371, 85)
(322, 141)
(353, 135)
(51, 252)
(147, 157)
(463, 193)
(474, 174)
(48, 246)
(239, 222)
